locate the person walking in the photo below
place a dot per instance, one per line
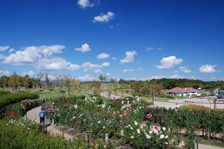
(42, 114)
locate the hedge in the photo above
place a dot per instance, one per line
(7, 99)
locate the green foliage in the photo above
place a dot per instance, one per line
(80, 102)
(15, 97)
(3, 92)
(13, 136)
(62, 91)
(99, 100)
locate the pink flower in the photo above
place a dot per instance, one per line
(149, 115)
(155, 127)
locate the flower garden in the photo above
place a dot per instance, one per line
(136, 125)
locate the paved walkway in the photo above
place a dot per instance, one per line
(34, 115)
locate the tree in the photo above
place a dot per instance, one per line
(158, 88)
(67, 81)
(47, 81)
(114, 81)
(14, 81)
(4, 81)
(26, 81)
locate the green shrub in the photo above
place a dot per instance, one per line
(80, 102)
(3, 92)
(16, 97)
(62, 91)
(99, 101)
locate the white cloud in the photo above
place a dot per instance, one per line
(159, 49)
(160, 77)
(138, 62)
(3, 48)
(6, 73)
(175, 71)
(219, 71)
(88, 67)
(108, 74)
(126, 70)
(30, 73)
(86, 78)
(192, 77)
(114, 58)
(2, 56)
(213, 78)
(149, 48)
(129, 57)
(31, 55)
(11, 50)
(102, 56)
(85, 3)
(140, 69)
(23, 58)
(169, 62)
(207, 68)
(49, 50)
(73, 67)
(84, 48)
(104, 17)
(111, 26)
(52, 64)
(185, 69)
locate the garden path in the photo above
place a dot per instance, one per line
(34, 115)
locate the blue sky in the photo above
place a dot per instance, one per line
(128, 39)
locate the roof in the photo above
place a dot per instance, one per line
(182, 90)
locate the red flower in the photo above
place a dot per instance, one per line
(180, 118)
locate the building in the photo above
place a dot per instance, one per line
(220, 94)
(177, 91)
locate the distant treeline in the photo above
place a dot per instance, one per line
(171, 83)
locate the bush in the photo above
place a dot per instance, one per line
(80, 102)
(16, 97)
(3, 92)
(99, 101)
(62, 91)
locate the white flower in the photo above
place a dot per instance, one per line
(148, 136)
(136, 123)
(162, 136)
(138, 130)
(156, 131)
(132, 137)
(164, 128)
(150, 132)
(131, 128)
(166, 136)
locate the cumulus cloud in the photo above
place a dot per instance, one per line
(31, 55)
(85, 3)
(73, 67)
(6, 73)
(129, 57)
(102, 56)
(108, 74)
(84, 48)
(185, 69)
(207, 68)
(104, 17)
(149, 48)
(11, 50)
(3, 48)
(126, 70)
(49, 50)
(30, 73)
(2, 56)
(88, 67)
(52, 64)
(114, 58)
(86, 78)
(160, 77)
(169, 62)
